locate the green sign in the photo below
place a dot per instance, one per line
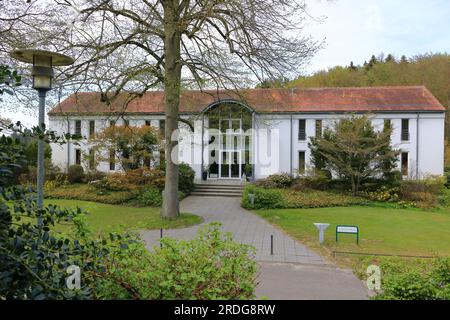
(348, 230)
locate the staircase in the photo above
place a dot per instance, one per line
(217, 190)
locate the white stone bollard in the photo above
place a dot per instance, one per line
(321, 227)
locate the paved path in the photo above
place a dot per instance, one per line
(292, 272)
(246, 228)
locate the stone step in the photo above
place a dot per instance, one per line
(215, 194)
(219, 186)
(211, 190)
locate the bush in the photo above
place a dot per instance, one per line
(186, 178)
(88, 192)
(75, 173)
(210, 266)
(383, 194)
(263, 198)
(286, 198)
(34, 258)
(131, 180)
(425, 193)
(275, 181)
(150, 197)
(405, 280)
(319, 180)
(94, 175)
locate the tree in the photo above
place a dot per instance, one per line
(352, 149)
(135, 46)
(133, 147)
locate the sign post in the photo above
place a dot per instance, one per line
(348, 230)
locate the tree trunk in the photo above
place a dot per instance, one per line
(170, 207)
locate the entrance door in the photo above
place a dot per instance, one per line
(230, 165)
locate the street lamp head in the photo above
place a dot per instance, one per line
(43, 62)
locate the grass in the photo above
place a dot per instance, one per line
(106, 217)
(382, 230)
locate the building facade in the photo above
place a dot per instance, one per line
(262, 131)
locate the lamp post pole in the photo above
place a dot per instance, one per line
(41, 150)
(42, 73)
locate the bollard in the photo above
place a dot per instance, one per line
(271, 244)
(251, 198)
(160, 237)
(321, 227)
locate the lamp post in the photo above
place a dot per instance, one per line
(42, 73)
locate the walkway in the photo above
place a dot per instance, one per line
(246, 228)
(292, 272)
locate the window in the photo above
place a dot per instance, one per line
(112, 160)
(302, 129)
(404, 160)
(91, 159)
(301, 162)
(78, 127)
(112, 123)
(91, 128)
(78, 156)
(147, 123)
(405, 129)
(162, 126)
(318, 128)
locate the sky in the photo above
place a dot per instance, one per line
(354, 30)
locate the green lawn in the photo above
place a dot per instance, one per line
(106, 217)
(382, 230)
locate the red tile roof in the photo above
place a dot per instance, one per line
(365, 99)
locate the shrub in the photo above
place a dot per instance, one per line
(75, 173)
(274, 181)
(404, 280)
(94, 175)
(319, 180)
(131, 180)
(287, 198)
(264, 198)
(210, 266)
(383, 194)
(150, 197)
(89, 193)
(186, 178)
(425, 193)
(34, 258)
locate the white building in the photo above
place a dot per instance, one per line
(275, 126)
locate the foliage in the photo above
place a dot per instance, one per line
(12, 158)
(263, 198)
(289, 198)
(75, 174)
(402, 280)
(425, 192)
(31, 152)
(282, 180)
(150, 197)
(210, 266)
(34, 259)
(354, 150)
(317, 179)
(132, 146)
(88, 192)
(185, 178)
(131, 180)
(8, 79)
(383, 194)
